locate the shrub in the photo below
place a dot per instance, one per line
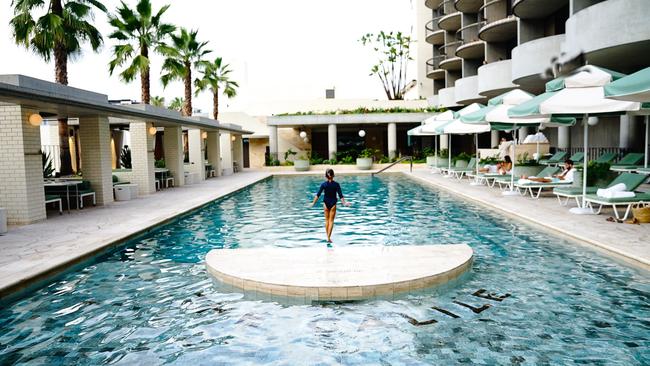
(160, 163)
(125, 157)
(598, 174)
(524, 160)
(290, 153)
(369, 153)
(444, 153)
(48, 170)
(461, 157)
(428, 151)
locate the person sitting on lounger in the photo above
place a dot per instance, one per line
(567, 173)
(504, 167)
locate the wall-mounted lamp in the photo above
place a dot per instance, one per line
(233, 138)
(152, 130)
(592, 121)
(306, 140)
(204, 135)
(362, 133)
(35, 119)
(303, 134)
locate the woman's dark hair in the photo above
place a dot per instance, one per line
(507, 159)
(329, 173)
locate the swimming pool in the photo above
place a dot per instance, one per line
(153, 302)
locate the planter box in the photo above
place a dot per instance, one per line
(301, 165)
(364, 163)
(528, 171)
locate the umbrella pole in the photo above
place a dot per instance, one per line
(475, 182)
(435, 149)
(449, 150)
(512, 192)
(584, 210)
(647, 122)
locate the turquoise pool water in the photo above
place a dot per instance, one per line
(153, 302)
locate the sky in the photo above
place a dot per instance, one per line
(279, 50)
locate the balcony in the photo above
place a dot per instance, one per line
(433, 68)
(432, 4)
(495, 78)
(536, 9)
(451, 62)
(470, 47)
(447, 97)
(450, 22)
(532, 58)
(468, 6)
(613, 34)
(499, 30)
(466, 91)
(434, 34)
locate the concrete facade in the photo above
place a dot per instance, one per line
(196, 152)
(226, 149)
(173, 147)
(95, 136)
(21, 168)
(142, 157)
(213, 144)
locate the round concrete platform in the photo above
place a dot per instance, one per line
(341, 273)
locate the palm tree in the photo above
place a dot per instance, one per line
(184, 53)
(140, 30)
(215, 76)
(158, 101)
(177, 104)
(58, 32)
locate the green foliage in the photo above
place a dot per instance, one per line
(364, 110)
(176, 104)
(216, 76)
(136, 33)
(490, 160)
(48, 170)
(289, 154)
(160, 163)
(461, 157)
(346, 160)
(393, 50)
(443, 153)
(315, 159)
(329, 162)
(598, 174)
(125, 157)
(428, 151)
(384, 160)
(158, 101)
(525, 160)
(369, 153)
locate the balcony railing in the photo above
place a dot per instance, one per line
(485, 19)
(469, 33)
(449, 49)
(432, 26)
(434, 63)
(441, 7)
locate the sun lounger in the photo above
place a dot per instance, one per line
(629, 161)
(488, 178)
(539, 186)
(632, 181)
(603, 158)
(627, 202)
(459, 172)
(555, 159)
(577, 157)
(645, 171)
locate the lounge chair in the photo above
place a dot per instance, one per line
(83, 190)
(645, 171)
(632, 181)
(539, 186)
(557, 158)
(577, 157)
(606, 158)
(628, 163)
(50, 198)
(488, 178)
(116, 181)
(628, 202)
(459, 172)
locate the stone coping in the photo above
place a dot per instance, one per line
(340, 273)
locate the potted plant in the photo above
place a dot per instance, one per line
(443, 158)
(430, 155)
(364, 161)
(526, 166)
(301, 164)
(461, 160)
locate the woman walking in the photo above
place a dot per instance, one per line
(331, 189)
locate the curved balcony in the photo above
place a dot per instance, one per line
(471, 47)
(450, 22)
(450, 62)
(495, 78)
(499, 30)
(434, 34)
(535, 9)
(432, 4)
(466, 91)
(468, 6)
(532, 58)
(609, 32)
(447, 97)
(433, 68)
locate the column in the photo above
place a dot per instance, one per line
(142, 157)
(523, 132)
(624, 132)
(197, 153)
(173, 150)
(118, 138)
(331, 141)
(226, 153)
(95, 136)
(273, 142)
(494, 139)
(21, 168)
(444, 142)
(563, 137)
(214, 151)
(392, 140)
(238, 150)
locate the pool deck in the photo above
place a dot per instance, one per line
(338, 274)
(31, 252)
(630, 243)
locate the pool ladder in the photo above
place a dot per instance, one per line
(410, 158)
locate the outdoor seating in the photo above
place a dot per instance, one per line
(577, 157)
(632, 181)
(459, 172)
(169, 181)
(116, 180)
(603, 158)
(50, 198)
(529, 187)
(628, 162)
(627, 202)
(557, 158)
(84, 190)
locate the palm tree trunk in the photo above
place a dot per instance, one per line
(145, 84)
(215, 104)
(187, 107)
(61, 77)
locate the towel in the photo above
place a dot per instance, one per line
(614, 194)
(524, 181)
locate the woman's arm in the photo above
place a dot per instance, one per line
(340, 193)
(320, 190)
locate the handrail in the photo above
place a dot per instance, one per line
(396, 162)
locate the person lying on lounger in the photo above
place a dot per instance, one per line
(567, 173)
(504, 167)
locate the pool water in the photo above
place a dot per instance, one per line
(152, 302)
